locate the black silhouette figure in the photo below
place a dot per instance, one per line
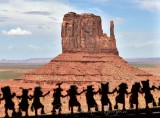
(24, 105)
(134, 95)
(57, 99)
(147, 91)
(72, 93)
(120, 98)
(104, 91)
(90, 98)
(36, 100)
(9, 104)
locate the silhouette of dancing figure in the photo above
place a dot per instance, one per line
(120, 98)
(9, 104)
(134, 95)
(24, 105)
(57, 99)
(36, 100)
(104, 91)
(147, 91)
(90, 98)
(72, 93)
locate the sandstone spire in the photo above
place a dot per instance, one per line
(111, 29)
(83, 33)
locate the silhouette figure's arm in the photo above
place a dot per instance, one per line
(113, 91)
(140, 92)
(128, 92)
(63, 96)
(19, 97)
(1, 99)
(158, 88)
(14, 94)
(46, 94)
(66, 94)
(81, 92)
(153, 88)
(96, 92)
(30, 97)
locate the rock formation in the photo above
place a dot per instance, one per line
(88, 55)
(83, 33)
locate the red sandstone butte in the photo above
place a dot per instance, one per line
(83, 33)
(88, 55)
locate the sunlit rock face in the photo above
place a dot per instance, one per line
(83, 33)
(89, 55)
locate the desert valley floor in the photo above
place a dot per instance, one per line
(13, 69)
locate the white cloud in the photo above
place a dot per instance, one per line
(40, 17)
(30, 12)
(151, 5)
(43, 17)
(17, 32)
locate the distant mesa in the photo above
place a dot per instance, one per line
(88, 55)
(83, 33)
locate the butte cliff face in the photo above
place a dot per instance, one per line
(88, 55)
(83, 33)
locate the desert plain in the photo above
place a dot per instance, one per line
(9, 74)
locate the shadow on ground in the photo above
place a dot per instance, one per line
(151, 113)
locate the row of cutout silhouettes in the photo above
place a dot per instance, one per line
(73, 101)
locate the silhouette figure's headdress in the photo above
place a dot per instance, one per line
(123, 86)
(38, 88)
(6, 91)
(37, 91)
(59, 88)
(137, 84)
(104, 85)
(25, 91)
(73, 87)
(145, 84)
(90, 87)
(59, 84)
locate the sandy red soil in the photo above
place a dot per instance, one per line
(48, 99)
(116, 68)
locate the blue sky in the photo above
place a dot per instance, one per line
(32, 28)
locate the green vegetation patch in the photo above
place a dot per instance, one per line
(10, 70)
(141, 65)
(19, 66)
(9, 75)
